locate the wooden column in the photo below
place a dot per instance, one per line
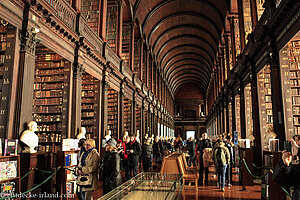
(119, 28)
(241, 24)
(227, 114)
(257, 153)
(25, 80)
(133, 114)
(223, 64)
(277, 103)
(131, 47)
(104, 106)
(227, 55)
(146, 81)
(149, 117)
(150, 76)
(233, 111)
(143, 122)
(242, 110)
(233, 46)
(223, 116)
(254, 17)
(102, 21)
(153, 82)
(75, 117)
(141, 59)
(121, 112)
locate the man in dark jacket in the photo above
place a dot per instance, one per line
(191, 149)
(203, 143)
(133, 150)
(157, 150)
(146, 155)
(287, 175)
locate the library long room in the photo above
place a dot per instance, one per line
(143, 99)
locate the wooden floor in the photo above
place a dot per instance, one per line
(211, 192)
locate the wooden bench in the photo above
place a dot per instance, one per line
(175, 163)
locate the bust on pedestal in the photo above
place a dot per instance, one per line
(269, 135)
(29, 138)
(82, 133)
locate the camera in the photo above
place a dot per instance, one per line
(287, 146)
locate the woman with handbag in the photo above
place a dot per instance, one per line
(111, 169)
(87, 170)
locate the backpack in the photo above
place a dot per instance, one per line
(220, 156)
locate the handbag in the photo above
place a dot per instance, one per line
(85, 181)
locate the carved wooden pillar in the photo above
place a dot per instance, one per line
(154, 78)
(133, 114)
(75, 117)
(254, 17)
(277, 103)
(146, 81)
(25, 80)
(150, 76)
(255, 116)
(102, 21)
(227, 54)
(233, 111)
(227, 114)
(241, 24)
(143, 122)
(233, 46)
(121, 111)
(141, 59)
(131, 47)
(119, 28)
(104, 105)
(223, 116)
(242, 110)
(149, 118)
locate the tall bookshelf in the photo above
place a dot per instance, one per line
(237, 36)
(144, 65)
(137, 58)
(90, 105)
(260, 8)
(265, 101)
(50, 102)
(125, 43)
(127, 115)
(237, 114)
(112, 118)
(111, 24)
(90, 10)
(138, 119)
(8, 35)
(230, 53)
(247, 18)
(290, 78)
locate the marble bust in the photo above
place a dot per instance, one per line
(29, 138)
(82, 133)
(269, 135)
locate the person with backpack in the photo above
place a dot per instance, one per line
(146, 155)
(221, 157)
(133, 150)
(229, 146)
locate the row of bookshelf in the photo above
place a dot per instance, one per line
(46, 118)
(53, 137)
(50, 64)
(112, 114)
(48, 86)
(51, 127)
(48, 94)
(48, 101)
(47, 109)
(49, 72)
(50, 78)
(294, 43)
(47, 56)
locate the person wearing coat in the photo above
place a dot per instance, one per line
(287, 174)
(88, 164)
(111, 167)
(203, 144)
(157, 150)
(146, 155)
(133, 150)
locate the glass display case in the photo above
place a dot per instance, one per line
(149, 186)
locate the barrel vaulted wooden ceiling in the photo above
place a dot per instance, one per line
(183, 36)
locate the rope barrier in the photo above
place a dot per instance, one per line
(27, 174)
(256, 166)
(257, 177)
(8, 197)
(44, 171)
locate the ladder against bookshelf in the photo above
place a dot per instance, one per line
(112, 118)
(10, 175)
(127, 115)
(50, 102)
(90, 95)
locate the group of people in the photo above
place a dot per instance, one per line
(119, 155)
(219, 152)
